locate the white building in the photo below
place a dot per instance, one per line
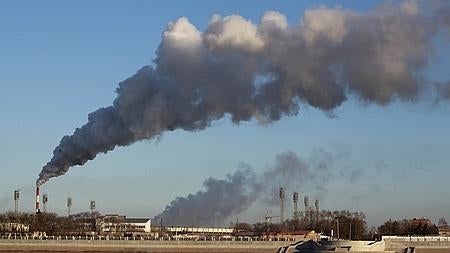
(199, 230)
(116, 224)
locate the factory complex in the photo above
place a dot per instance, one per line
(93, 223)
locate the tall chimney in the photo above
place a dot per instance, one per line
(37, 200)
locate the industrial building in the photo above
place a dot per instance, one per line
(199, 230)
(114, 224)
(420, 222)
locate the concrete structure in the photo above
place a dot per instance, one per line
(341, 245)
(121, 246)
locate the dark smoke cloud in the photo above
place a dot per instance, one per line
(264, 72)
(221, 199)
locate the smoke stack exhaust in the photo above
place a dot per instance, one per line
(244, 71)
(37, 200)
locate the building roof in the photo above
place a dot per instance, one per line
(136, 220)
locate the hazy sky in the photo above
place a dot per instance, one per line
(60, 60)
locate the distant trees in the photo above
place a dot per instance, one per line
(407, 227)
(50, 223)
(242, 227)
(351, 225)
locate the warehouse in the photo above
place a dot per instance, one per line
(121, 225)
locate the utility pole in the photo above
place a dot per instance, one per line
(350, 233)
(161, 228)
(337, 228)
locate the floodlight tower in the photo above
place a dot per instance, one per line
(295, 199)
(92, 206)
(282, 203)
(44, 202)
(69, 205)
(306, 202)
(16, 201)
(316, 205)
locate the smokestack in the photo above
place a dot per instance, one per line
(37, 200)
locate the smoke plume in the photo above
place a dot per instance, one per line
(263, 71)
(221, 199)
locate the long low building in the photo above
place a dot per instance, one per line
(199, 230)
(121, 225)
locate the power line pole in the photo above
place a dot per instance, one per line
(337, 228)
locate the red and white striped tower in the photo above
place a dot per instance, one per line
(37, 199)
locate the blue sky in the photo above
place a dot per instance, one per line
(60, 61)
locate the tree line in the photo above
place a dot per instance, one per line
(345, 224)
(50, 223)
